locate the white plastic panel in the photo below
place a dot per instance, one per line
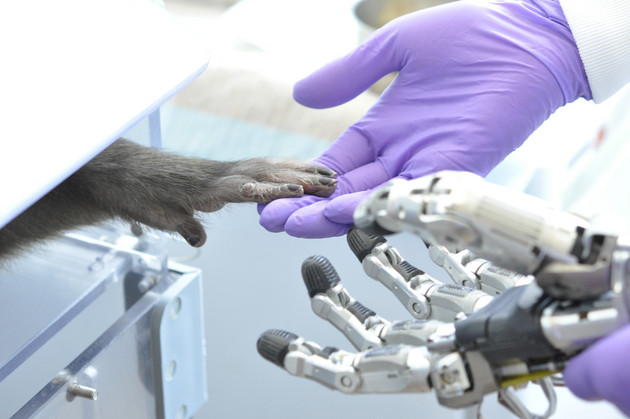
(75, 75)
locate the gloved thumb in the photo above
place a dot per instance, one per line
(347, 77)
(602, 371)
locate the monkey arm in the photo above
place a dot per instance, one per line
(164, 191)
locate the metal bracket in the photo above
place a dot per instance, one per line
(178, 347)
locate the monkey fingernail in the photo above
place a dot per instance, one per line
(328, 181)
(325, 171)
(294, 188)
(193, 240)
(136, 229)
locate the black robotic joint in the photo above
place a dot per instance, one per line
(408, 271)
(319, 275)
(273, 345)
(362, 243)
(492, 330)
(360, 311)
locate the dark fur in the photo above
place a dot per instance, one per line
(142, 185)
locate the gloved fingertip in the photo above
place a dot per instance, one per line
(273, 218)
(322, 232)
(307, 92)
(271, 226)
(341, 210)
(347, 77)
(274, 215)
(260, 208)
(578, 380)
(311, 223)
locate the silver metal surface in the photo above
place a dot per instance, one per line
(78, 390)
(178, 349)
(378, 267)
(452, 264)
(93, 355)
(118, 363)
(41, 294)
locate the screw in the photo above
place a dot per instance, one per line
(147, 283)
(85, 392)
(447, 378)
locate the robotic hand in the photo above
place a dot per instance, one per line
(507, 327)
(475, 79)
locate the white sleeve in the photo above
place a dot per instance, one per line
(601, 29)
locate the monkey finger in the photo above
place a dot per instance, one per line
(317, 169)
(193, 232)
(313, 183)
(326, 171)
(324, 187)
(287, 165)
(312, 177)
(136, 228)
(265, 192)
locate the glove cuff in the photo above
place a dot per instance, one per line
(601, 29)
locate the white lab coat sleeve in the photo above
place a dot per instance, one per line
(601, 29)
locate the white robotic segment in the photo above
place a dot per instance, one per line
(461, 210)
(75, 75)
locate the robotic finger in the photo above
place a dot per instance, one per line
(458, 379)
(331, 302)
(468, 270)
(361, 326)
(423, 296)
(394, 369)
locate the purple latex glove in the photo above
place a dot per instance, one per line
(475, 80)
(603, 371)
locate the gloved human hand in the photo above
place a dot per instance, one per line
(475, 79)
(602, 371)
